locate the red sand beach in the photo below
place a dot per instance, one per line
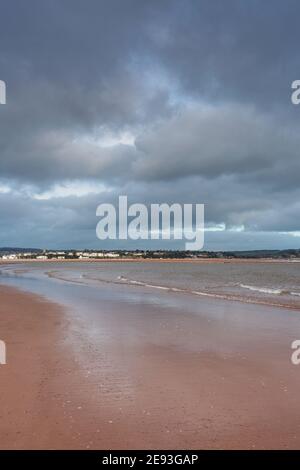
(58, 392)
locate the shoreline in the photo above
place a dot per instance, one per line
(46, 395)
(218, 296)
(63, 389)
(152, 260)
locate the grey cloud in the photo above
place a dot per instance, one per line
(211, 141)
(204, 86)
(71, 221)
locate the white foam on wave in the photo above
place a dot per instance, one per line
(264, 290)
(145, 284)
(156, 286)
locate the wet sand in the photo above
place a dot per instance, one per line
(143, 381)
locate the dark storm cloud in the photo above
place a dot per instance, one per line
(215, 140)
(240, 50)
(202, 87)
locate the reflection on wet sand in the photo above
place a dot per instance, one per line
(122, 367)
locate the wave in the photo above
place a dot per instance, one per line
(228, 297)
(145, 284)
(295, 293)
(85, 279)
(58, 276)
(264, 290)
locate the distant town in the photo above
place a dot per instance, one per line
(14, 254)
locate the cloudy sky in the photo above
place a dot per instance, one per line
(164, 101)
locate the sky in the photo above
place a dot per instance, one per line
(163, 101)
